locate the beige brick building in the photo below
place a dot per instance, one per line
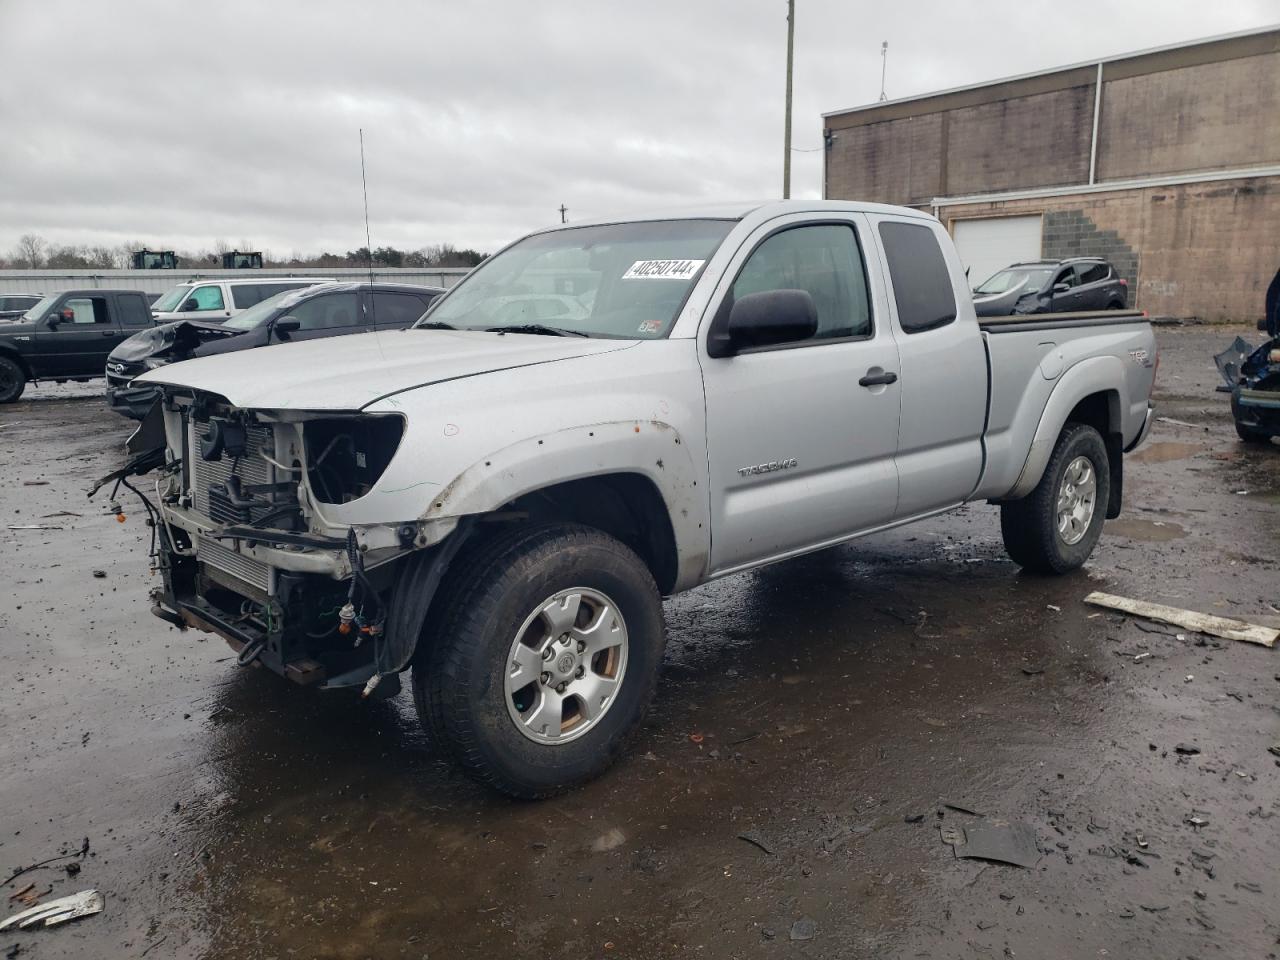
(1166, 161)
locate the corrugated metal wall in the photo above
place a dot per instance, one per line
(156, 282)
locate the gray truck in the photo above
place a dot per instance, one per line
(500, 497)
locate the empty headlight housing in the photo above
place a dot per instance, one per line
(347, 455)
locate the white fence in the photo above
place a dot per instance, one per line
(156, 282)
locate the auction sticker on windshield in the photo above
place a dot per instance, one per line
(663, 269)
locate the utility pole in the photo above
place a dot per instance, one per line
(786, 136)
(884, 63)
(563, 211)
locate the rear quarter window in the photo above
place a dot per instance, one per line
(133, 310)
(921, 280)
(245, 295)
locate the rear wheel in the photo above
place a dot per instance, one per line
(1055, 527)
(12, 380)
(543, 659)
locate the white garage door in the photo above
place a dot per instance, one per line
(991, 244)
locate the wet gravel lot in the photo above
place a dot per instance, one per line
(817, 708)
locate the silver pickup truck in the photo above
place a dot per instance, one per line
(602, 415)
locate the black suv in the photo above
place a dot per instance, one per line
(325, 310)
(67, 336)
(1052, 286)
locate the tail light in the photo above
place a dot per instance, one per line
(1154, 373)
(1124, 282)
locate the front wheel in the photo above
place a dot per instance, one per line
(12, 380)
(1055, 527)
(543, 659)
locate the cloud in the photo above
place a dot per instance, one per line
(177, 124)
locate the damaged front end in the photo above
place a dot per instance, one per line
(149, 349)
(255, 541)
(1252, 376)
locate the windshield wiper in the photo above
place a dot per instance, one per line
(538, 328)
(434, 325)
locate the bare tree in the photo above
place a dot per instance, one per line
(30, 251)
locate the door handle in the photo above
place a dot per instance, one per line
(878, 379)
(107, 333)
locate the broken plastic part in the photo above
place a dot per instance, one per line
(371, 685)
(80, 904)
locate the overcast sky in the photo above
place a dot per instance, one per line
(177, 124)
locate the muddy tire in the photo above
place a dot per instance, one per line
(12, 380)
(543, 658)
(1055, 527)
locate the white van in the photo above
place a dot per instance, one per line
(215, 301)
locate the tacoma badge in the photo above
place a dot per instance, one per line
(769, 467)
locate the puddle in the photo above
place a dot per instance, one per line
(1155, 531)
(1166, 451)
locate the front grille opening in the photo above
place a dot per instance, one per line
(347, 455)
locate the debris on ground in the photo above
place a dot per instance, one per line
(755, 841)
(999, 841)
(81, 904)
(962, 808)
(100, 574)
(32, 526)
(609, 840)
(804, 929)
(1181, 423)
(1223, 627)
(1186, 749)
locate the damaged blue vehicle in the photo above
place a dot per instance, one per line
(1253, 376)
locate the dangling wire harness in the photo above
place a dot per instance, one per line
(353, 615)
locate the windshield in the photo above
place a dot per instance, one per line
(169, 302)
(39, 310)
(1011, 279)
(260, 312)
(620, 280)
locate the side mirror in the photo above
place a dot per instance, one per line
(285, 326)
(769, 317)
(1060, 288)
(1262, 324)
(190, 305)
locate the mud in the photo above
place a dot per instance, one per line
(816, 707)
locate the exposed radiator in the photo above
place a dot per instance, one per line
(213, 553)
(250, 468)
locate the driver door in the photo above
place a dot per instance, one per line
(1065, 301)
(802, 436)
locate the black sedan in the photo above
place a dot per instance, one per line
(326, 310)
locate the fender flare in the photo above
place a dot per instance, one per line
(1086, 378)
(648, 448)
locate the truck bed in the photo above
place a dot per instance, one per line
(1029, 356)
(1045, 321)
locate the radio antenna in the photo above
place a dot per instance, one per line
(368, 242)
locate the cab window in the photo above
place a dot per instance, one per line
(825, 261)
(84, 310)
(325, 312)
(206, 298)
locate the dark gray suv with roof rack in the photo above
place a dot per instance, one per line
(1052, 286)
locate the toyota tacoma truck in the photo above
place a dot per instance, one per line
(602, 415)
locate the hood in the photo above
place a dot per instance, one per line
(348, 373)
(169, 341)
(17, 325)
